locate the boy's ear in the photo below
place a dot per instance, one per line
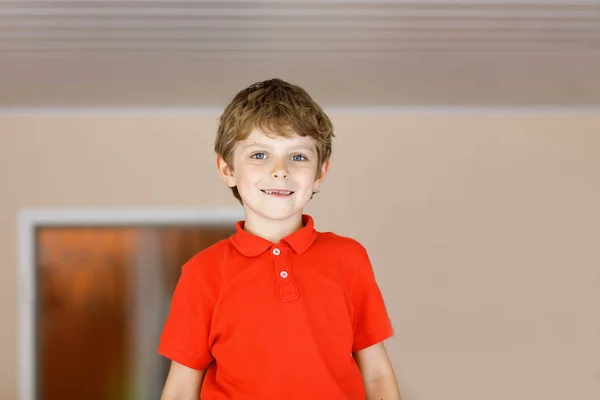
(225, 171)
(321, 175)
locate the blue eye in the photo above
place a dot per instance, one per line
(259, 156)
(298, 157)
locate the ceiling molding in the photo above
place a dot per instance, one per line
(137, 53)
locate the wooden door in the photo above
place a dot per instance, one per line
(93, 284)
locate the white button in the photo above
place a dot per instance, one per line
(283, 274)
(276, 251)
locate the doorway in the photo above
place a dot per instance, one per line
(101, 294)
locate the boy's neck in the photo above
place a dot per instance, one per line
(272, 230)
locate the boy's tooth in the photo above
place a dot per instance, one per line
(277, 192)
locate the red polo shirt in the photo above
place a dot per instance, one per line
(277, 320)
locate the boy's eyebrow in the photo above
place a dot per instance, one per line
(255, 144)
(259, 144)
(309, 148)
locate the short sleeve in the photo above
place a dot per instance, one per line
(372, 324)
(185, 336)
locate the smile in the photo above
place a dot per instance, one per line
(277, 192)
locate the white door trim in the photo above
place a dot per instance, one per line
(31, 219)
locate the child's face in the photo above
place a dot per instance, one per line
(275, 176)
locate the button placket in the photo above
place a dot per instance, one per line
(285, 279)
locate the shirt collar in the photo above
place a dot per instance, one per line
(251, 245)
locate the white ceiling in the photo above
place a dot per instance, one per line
(98, 53)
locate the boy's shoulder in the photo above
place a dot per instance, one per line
(208, 256)
(343, 245)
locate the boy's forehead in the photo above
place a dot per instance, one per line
(258, 136)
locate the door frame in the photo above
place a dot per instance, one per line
(29, 220)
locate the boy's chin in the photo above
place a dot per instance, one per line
(281, 216)
(273, 214)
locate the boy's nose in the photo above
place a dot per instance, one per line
(280, 174)
(280, 171)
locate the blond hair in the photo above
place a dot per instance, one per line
(277, 108)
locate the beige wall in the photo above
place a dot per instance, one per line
(484, 230)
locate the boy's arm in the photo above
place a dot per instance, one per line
(377, 373)
(183, 383)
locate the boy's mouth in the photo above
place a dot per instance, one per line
(277, 192)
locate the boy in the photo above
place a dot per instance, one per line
(278, 310)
